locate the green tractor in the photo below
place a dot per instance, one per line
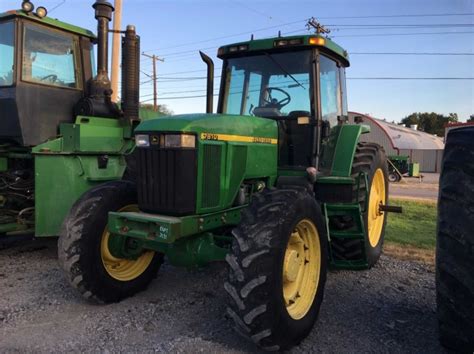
(60, 133)
(276, 183)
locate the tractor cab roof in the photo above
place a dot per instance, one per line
(47, 21)
(277, 44)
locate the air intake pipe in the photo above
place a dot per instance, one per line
(210, 82)
(131, 74)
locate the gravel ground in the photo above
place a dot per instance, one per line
(390, 308)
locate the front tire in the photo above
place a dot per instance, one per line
(83, 247)
(277, 268)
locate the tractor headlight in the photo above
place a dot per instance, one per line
(180, 141)
(142, 140)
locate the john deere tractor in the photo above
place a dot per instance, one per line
(60, 134)
(276, 183)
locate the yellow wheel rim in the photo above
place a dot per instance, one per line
(376, 218)
(123, 269)
(301, 269)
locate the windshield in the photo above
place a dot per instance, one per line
(7, 53)
(49, 57)
(268, 85)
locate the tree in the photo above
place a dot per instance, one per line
(432, 123)
(163, 110)
(471, 119)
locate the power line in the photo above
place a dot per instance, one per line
(398, 34)
(410, 78)
(349, 78)
(228, 36)
(408, 53)
(57, 6)
(303, 20)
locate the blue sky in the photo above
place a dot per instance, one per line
(176, 30)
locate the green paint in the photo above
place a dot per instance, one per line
(8, 228)
(195, 251)
(94, 135)
(50, 22)
(167, 229)
(268, 44)
(223, 165)
(356, 232)
(3, 164)
(67, 167)
(339, 150)
(60, 180)
(187, 241)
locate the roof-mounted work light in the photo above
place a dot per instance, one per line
(27, 6)
(41, 12)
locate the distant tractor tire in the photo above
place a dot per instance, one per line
(83, 248)
(370, 159)
(277, 268)
(455, 243)
(393, 177)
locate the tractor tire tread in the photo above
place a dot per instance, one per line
(455, 243)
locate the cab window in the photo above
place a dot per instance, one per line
(49, 58)
(330, 90)
(7, 53)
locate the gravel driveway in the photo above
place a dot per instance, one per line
(390, 308)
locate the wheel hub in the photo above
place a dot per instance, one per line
(301, 269)
(292, 265)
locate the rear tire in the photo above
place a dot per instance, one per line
(270, 301)
(369, 158)
(455, 243)
(82, 251)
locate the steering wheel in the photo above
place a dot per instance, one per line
(53, 78)
(273, 102)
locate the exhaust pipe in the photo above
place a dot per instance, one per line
(210, 82)
(98, 102)
(131, 75)
(103, 15)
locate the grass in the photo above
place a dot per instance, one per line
(412, 234)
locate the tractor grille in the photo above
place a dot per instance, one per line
(167, 180)
(211, 176)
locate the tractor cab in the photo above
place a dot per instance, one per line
(43, 62)
(296, 81)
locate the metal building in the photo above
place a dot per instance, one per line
(424, 148)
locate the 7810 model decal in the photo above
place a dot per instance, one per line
(238, 138)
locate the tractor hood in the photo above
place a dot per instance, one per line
(209, 126)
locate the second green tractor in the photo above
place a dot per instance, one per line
(276, 183)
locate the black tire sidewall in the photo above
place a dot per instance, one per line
(379, 162)
(111, 197)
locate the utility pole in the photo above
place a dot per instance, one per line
(154, 59)
(318, 27)
(116, 44)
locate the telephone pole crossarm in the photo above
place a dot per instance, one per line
(154, 78)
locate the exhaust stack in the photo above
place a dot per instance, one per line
(98, 102)
(210, 82)
(103, 14)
